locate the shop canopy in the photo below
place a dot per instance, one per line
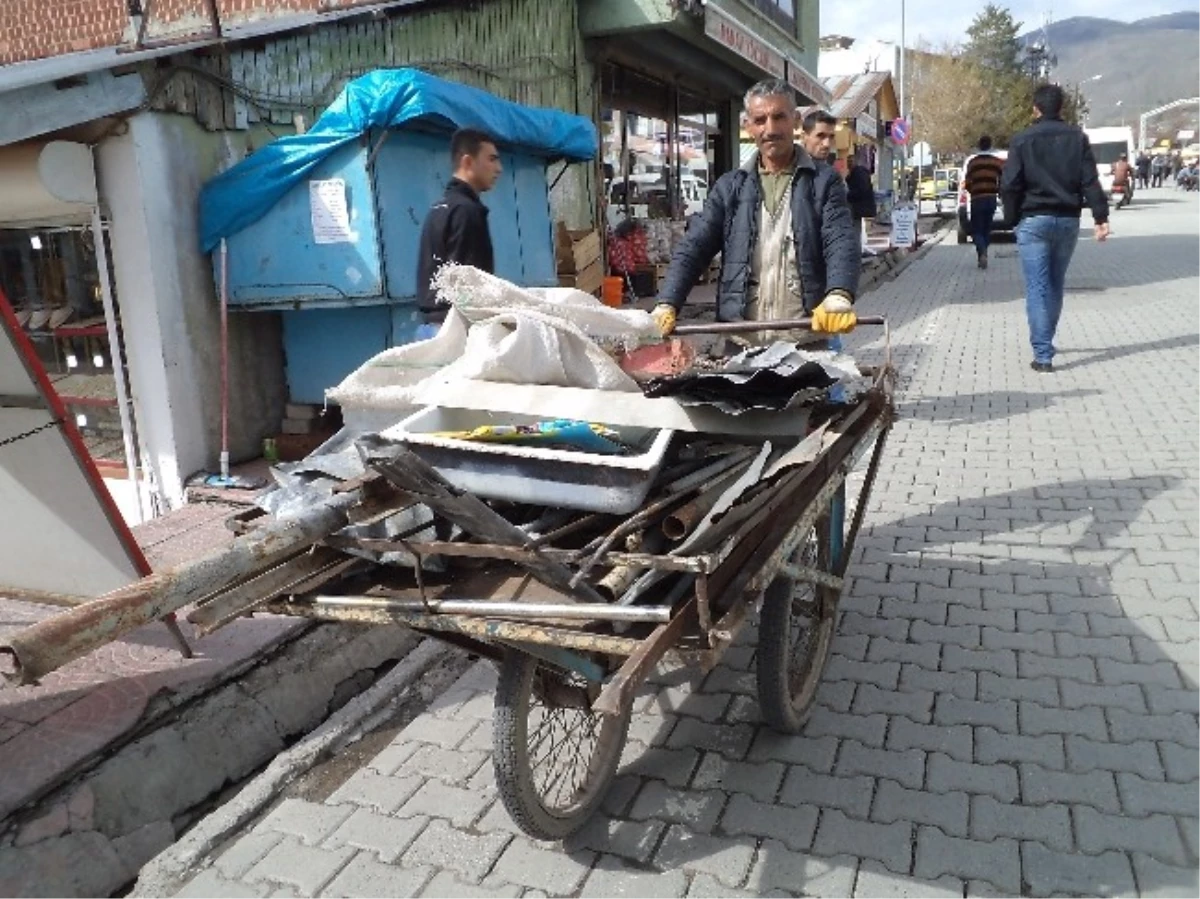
(386, 98)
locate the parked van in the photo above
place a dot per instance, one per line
(1107, 146)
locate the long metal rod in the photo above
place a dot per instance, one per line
(583, 611)
(786, 324)
(31, 654)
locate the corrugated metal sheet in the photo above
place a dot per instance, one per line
(528, 51)
(852, 94)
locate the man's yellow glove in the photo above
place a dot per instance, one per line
(664, 318)
(835, 315)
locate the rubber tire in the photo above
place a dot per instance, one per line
(510, 756)
(781, 709)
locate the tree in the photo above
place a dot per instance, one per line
(948, 95)
(993, 43)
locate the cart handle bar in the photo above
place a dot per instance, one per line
(785, 324)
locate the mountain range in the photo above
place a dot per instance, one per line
(1127, 68)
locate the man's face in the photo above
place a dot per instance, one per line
(819, 141)
(484, 168)
(771, 121)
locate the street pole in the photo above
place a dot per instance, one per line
(904, 146)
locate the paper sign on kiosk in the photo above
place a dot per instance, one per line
(330, 213)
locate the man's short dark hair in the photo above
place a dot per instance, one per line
(468, 142)
(817, 115)
(1048, 100)
(985, 144)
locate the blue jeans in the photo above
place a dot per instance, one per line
(1046, 244)
(982, 211)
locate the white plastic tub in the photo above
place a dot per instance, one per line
(546, 477)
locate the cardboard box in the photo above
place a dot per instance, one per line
(590, 280)
(575, 251)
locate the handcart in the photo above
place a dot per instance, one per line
(576, 608)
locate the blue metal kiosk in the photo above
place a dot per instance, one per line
(325, 226)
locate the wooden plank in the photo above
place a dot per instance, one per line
(241, 112)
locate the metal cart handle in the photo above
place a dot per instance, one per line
(785, 324)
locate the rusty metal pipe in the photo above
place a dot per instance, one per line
(680, 522)
(34, 652)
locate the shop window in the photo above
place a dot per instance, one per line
(52, 279)
(781, 12)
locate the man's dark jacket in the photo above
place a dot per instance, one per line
(1051, 171)
(828, 252)
(456, 230)
(860, 192)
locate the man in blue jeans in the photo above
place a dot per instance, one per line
(1049, 175)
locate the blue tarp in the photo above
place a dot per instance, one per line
(388, 98)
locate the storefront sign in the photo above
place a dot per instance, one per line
(867, 126)
(806, 84)
(728, 33)
(904, 225)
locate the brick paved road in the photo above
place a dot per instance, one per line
(1012, 703)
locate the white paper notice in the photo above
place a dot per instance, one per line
(330, 215)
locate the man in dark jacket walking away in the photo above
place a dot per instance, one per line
(456, 229)
(860, 194)
(782, 225)
(983, 184)
(1050, 168)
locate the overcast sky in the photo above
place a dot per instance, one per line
(940, 22)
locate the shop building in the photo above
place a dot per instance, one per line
(152, 100)
(865, 105)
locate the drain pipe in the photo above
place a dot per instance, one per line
(224, 362)
(117, 355)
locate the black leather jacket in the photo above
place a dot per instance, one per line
(1051, 171)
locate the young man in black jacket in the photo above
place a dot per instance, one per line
(1049, 174)
(456, 229)
(783, 227)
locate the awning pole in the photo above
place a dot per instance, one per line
(118, 361)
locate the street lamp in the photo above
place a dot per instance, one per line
(1121, 103)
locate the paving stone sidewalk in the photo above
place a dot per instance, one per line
(1011, 707)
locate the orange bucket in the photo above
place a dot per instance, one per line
(614, 289)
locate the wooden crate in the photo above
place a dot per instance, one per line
(575, 251)
(590, 280)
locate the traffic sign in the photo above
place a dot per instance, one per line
(900, 131)
(922, 154)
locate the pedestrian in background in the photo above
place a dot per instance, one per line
(1143, 170)
(860, 194)
(1158, 167)
(983, 184)
(817, 128)
(1050, 171)
(456, 229)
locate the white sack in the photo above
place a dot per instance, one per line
(499, 332)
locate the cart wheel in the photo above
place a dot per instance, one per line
(794, 634)
(554, 757)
